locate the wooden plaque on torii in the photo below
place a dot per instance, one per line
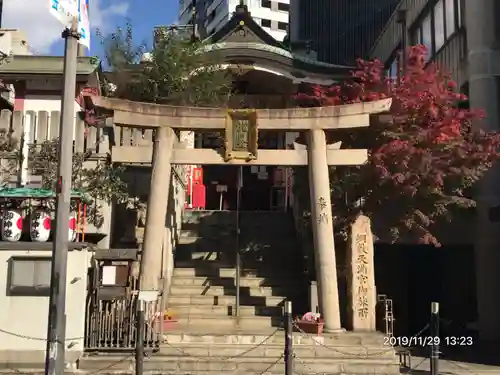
(241, 135)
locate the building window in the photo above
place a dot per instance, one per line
(439, 24)
(393, 68)
(464, 89)
(427, 34)
(266, 23)
(417, 36)
(439, 32)
(211, 16)
(265, 3)
(449, 7)
(283, 7)
(282, 25)
(460, 13)
(29, 276)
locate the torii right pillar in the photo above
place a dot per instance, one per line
(322, 227)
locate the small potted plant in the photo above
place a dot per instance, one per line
(168, 321)
(310, 323)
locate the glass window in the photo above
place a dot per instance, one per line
(450, 17)
(460, 15)
(265, 3)
(283, 7)
(394, 68)
(266, 23)
(427, 34)
(29, 276)
(282, 26)
(418, 36)
(439, 36)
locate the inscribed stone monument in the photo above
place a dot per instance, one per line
(361, 276)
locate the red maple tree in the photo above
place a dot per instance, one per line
(424, 156)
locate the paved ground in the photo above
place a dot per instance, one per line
(421, 365)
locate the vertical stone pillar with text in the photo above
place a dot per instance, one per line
(322, 228)
(361, 276)
(154, 232)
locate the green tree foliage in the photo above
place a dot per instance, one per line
(97, 178)
(9, 155)
(174, 71)
(100, 181)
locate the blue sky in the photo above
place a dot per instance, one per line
(33, 16)
(144, 15)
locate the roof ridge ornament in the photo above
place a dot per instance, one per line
(241, 8)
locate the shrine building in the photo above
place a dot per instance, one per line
(266, 75)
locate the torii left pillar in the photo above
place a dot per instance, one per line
(154, 233)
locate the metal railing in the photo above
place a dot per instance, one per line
(238, 251)
(110, 324)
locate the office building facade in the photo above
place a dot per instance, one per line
(212, 15)
(463, 36)
(341, 30)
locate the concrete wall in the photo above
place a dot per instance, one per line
(27, 316)
(13, 42)
(37, 102)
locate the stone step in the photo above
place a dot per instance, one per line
(224, 268)
(200, 322)
(207, 334)
(198, 253)
(249, 262)
(204, 255)
(229, 231)
(195, 243)
(229, 217)
(221, 300)
(265, 350)
(181, 286)
(279, 245)
(223, 310)
(186, 276)
(203, 272)
(207, 234)
(179, 364)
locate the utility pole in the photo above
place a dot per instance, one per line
(139, 340)
(434, 333)
(56, 331)
(288, 322)
(238, 233)
(1, 12)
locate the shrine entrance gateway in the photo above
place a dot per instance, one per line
(241, 132)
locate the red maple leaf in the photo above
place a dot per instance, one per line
(425, 155)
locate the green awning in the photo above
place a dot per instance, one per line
(36, 193)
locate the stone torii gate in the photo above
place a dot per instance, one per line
(243, 125)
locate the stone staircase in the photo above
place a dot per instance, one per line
(203, 291)
(210, 340)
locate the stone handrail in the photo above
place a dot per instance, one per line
(172, 231)
(304, 236)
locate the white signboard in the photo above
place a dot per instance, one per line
(65, 10)
(221, 188)
(84, 23)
